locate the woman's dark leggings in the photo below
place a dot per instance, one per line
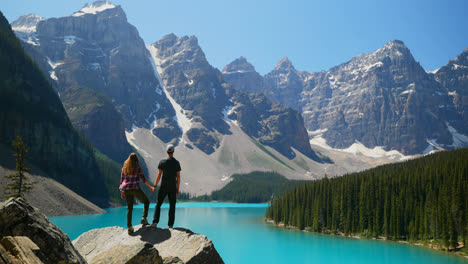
(140, 195)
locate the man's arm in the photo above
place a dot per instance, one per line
(158, 178)
(178, 181)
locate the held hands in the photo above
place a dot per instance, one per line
(153, 188)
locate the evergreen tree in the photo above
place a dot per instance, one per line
(19, 183)
(425, 198)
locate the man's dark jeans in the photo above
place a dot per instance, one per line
(172, 204)
(140, 195)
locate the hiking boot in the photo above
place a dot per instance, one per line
(170, 227)
(155, 225)
(130, 230)
(144, 222)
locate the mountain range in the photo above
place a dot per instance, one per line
(122, 94)
(381, 99)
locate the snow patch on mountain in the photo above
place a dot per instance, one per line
(27, 23)
(459, 140)
(376, 152)
(53, 65)
(316, 138)
(94, 8)
(456, 66)
(70, 39)
(53, 75)
(25, 28)
(432, 147)
(238, 71)
(184, 123)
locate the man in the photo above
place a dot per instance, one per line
(170, 170)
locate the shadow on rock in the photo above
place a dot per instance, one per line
(153, 235)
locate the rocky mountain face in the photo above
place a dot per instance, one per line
(97, 48)
(272, 124)
(95, 117)
(285, 83)
(242, 75)
(384, 98)
(30, 108)
(194, 85)
(208, 103)
(454, 78)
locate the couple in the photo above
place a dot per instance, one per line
(130, 187)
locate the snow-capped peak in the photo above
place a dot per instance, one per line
(26, 23)
(94, 8)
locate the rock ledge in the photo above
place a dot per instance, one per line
(146, 245)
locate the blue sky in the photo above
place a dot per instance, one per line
(315, 35)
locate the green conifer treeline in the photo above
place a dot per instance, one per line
(421, 199)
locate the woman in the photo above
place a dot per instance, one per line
(130, 188)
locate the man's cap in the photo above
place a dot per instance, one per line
(170, 148)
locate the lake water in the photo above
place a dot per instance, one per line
(240, 236)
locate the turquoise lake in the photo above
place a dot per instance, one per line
(240, 236)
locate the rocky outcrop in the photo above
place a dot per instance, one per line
(19, 249)
(44, 242)
(114, 245)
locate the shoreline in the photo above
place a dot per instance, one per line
(435, 247)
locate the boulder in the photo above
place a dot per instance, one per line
(114, 245)
(18, 218)
(19, 249)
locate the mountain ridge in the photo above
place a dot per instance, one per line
(336, 101)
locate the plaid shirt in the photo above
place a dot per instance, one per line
(132, 181)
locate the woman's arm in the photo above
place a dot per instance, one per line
(122, 192)
(142, 176)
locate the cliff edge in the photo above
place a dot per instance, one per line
(25, 229)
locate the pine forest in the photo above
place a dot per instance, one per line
(424, 199)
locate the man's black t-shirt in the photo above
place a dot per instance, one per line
(169, 167)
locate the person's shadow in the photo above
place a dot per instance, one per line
(152, 235)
